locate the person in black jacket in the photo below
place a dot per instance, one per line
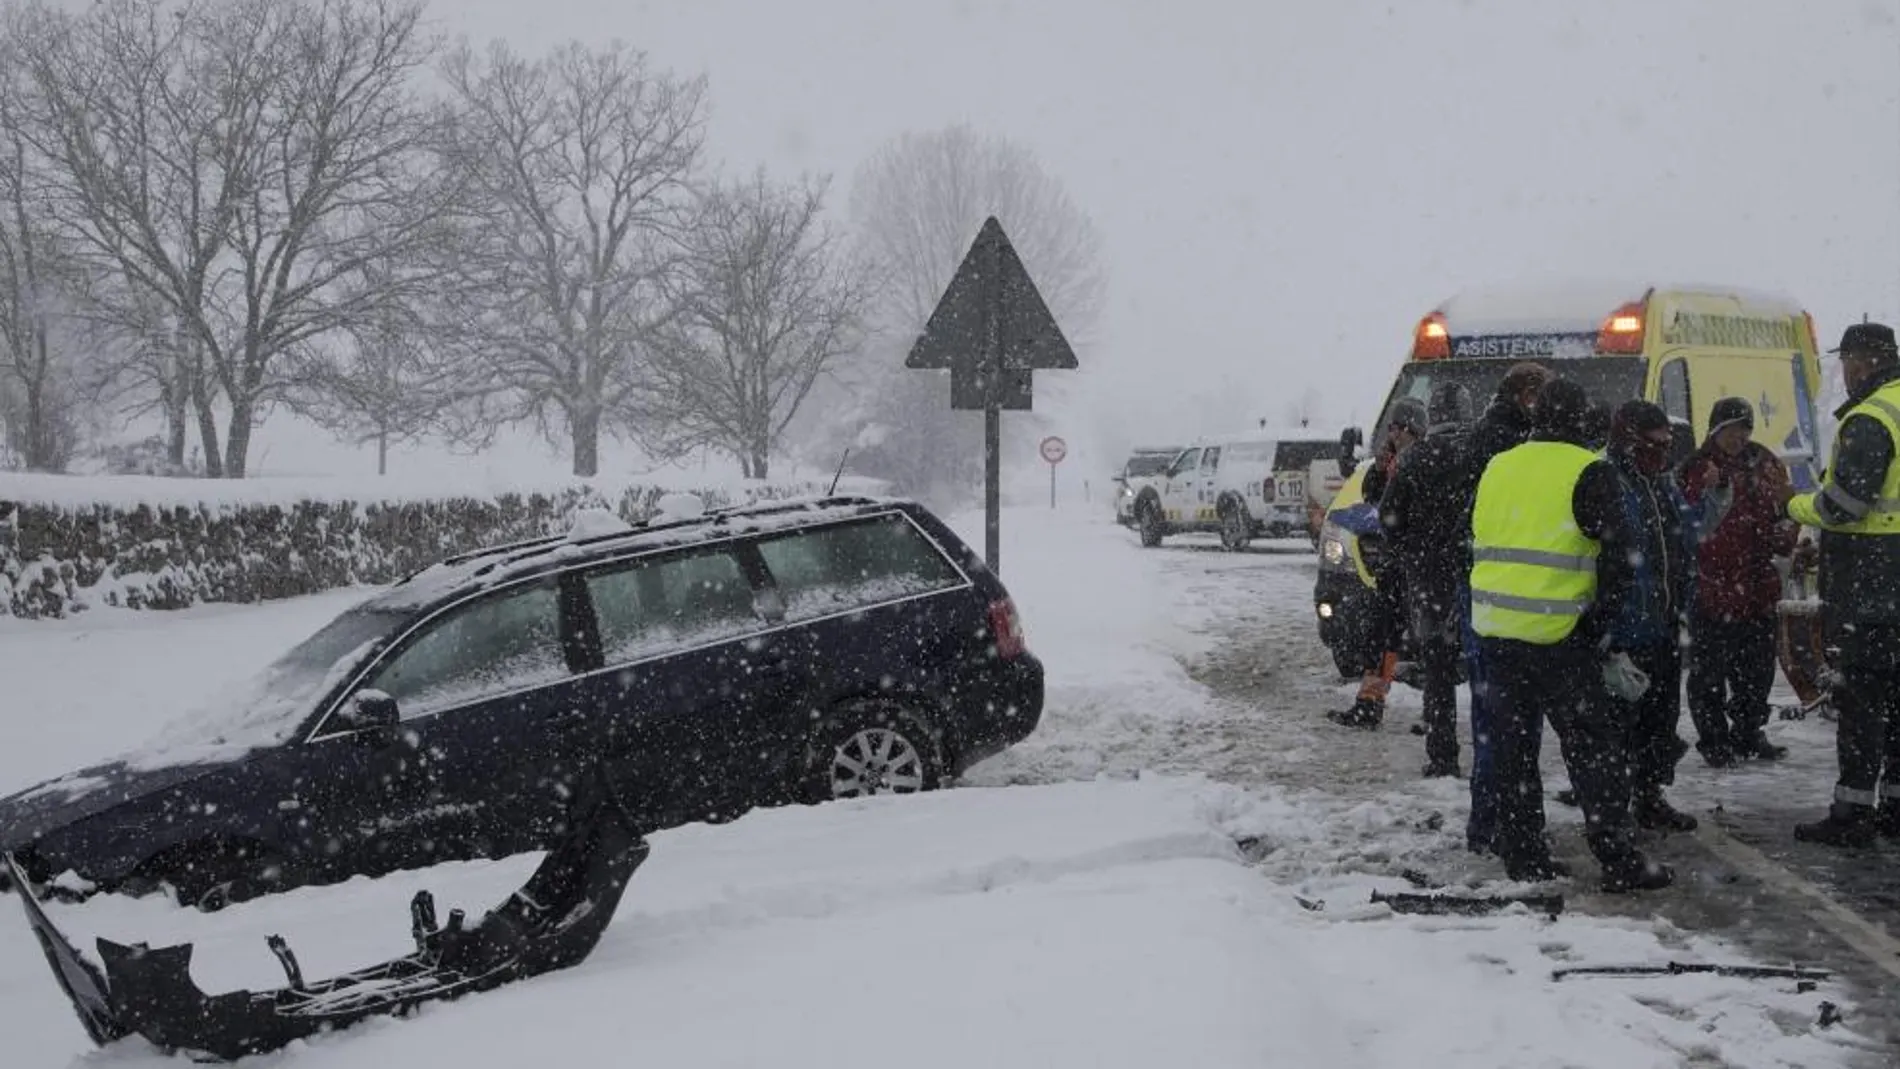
(1424, 527)
(1565, 681)
(1386, 629)
(1654, 564)
(1858, 512)
(1505, 423)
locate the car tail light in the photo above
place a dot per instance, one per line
(1006, 625)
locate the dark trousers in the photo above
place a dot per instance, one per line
(1731, 669)
(1438, 625)
(1481, 829)
(1867, 699)
(1564, 684)
(1654, 746)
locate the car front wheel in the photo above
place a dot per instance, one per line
(1148, 522)
(870, 750)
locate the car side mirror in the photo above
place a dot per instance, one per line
(1350, 440)
(372, 713)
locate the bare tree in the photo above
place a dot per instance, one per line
(916, 206)
(38, 277)
(767, 299)
(583, 161)
(241, 160)
(381, 381)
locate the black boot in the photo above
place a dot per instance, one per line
(1638, 874)
(1654, 813)
(1442, 769)
(1717, 754)
(1365, 714)
(1757, 746)
(1887, 818)
(1845, 825)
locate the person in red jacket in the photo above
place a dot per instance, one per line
(1732, 625)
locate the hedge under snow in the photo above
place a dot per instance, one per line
(67, 543)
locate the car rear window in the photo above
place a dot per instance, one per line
(1299, 456)
(840, 568)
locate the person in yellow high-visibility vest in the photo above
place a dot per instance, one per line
(1549, 570)
(1858, 511)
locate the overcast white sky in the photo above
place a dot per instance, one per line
(1286, 187)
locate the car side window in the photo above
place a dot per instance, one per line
(1210, 461)
(851, 566)
(1188, 462)
(489, 646)
(661, 605)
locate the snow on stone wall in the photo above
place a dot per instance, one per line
(67, 544)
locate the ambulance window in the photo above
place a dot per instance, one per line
(1188, 461)
(1675, 391)
(1210, 460)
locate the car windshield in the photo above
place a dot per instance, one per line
(264, 709)
(1148, 464)
(1607, 379)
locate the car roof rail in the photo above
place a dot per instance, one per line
(511, 553)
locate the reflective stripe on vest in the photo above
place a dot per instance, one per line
(1882, 516)
(1533, 572)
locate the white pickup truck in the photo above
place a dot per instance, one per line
(1262, 484)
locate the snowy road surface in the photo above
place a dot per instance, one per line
(1125, 888)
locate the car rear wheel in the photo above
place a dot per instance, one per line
(866, 750)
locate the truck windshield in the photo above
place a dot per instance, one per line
(1148, 464)
(1608, 380)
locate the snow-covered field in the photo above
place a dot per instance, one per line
(1106, 918)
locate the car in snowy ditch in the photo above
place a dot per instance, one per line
(771, 654)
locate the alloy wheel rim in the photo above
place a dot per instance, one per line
(876, 761)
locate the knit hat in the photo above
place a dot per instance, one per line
(1563, 412)
(1409, 415)
(1730, 411)
(1636, 418)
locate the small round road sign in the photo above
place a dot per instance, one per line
(1054, 449)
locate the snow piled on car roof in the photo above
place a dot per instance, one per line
(487, 569)
(1575, 306)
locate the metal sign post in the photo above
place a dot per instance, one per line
(1053, 450)
(992, 331)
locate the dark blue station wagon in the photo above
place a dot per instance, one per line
(796, 652)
